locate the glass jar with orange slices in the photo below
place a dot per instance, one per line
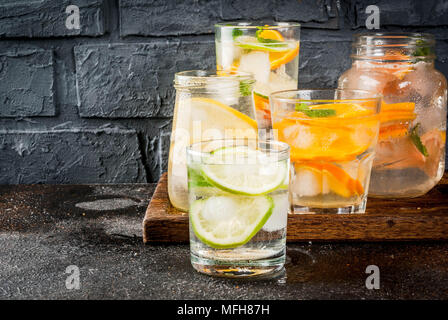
(410, 157)
(332, 135)
(269, 51)
(208, 106)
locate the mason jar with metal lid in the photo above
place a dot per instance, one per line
(410, 155)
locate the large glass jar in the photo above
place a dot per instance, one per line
(410, 155)
(208, 106)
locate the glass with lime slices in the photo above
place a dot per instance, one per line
(238, 196)
(270, 51)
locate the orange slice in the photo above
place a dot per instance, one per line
(399, 68)
(403, 111)
(344, 110)
(401, 106)
(339, 181)
(339, 138)
(280, 58)
(271, 34)
(262, 104)
(393, 131)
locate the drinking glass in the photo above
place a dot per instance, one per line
(209, 105)
(332, 135)
(238, 196)
(270, 51)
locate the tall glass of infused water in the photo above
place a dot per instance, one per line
(332, 135)
(238, 196)
(270, 51)
(208, 106)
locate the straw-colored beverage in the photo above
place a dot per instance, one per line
(208, 106)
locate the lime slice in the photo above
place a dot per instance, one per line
(252, 43)
(244, 171)
(225, 222)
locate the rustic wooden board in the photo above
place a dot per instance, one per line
(422, 218)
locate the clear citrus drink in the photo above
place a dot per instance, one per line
(332, 135)
(238, 195)
(208, 106)
(269, 51)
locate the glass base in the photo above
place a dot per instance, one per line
(354, 208)
(262, 268)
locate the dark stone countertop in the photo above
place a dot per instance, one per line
(46, 228)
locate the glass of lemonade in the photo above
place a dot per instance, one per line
(269, 51)
(238, 196)
(332, 135)
(208, 106)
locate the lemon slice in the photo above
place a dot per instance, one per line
(218, 120)
(244, 171)
(224, 222)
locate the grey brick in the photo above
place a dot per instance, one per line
(26, 83)
(160, 17)
(247, 9)
(311, 13)
(135, 80)
(402, 12)
(46, 18)
(70, 156)
(322, 62)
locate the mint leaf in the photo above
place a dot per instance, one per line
(320, 113)
(301, 106)
(236, 33)
(417, 141)
(315, 113)
(422, 49)
(245, 87)
(261, 95)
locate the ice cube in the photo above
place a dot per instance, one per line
(307, 183)
(218, 209)
(299, 136)
(258, 64)
(277, 220)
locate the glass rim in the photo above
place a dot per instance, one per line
(282, 153)
(371, 46)
(194, 79)
(413, 36)
(376, 98)
(258, 24)
(276, 95)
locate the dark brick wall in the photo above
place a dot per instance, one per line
(95, 104)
